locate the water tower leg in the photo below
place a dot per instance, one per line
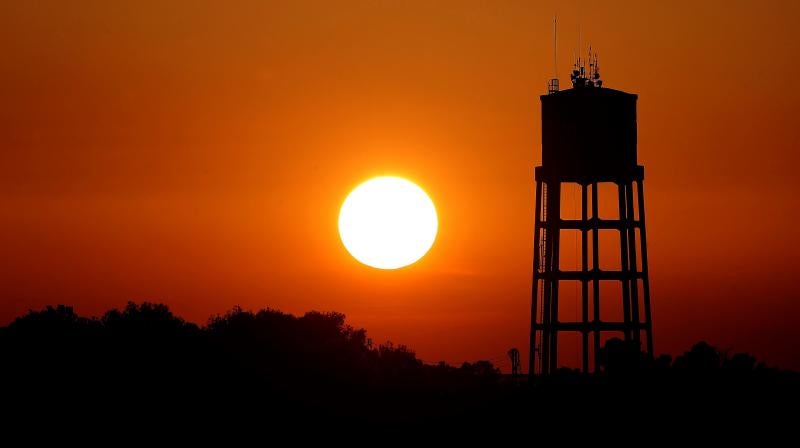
(585, 279)
(596, 281)
(645, 274)
(633, 269)
(624, 265)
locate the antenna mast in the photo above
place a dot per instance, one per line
(552, 84)
(555, 46)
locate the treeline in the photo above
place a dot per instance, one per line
(143, 360)
(314, 365)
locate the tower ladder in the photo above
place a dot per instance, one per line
(542, 260)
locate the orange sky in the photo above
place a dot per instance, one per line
(196, 153)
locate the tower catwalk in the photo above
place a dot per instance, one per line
(588, 138)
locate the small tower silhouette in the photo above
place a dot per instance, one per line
(513, 355)
(588, 138)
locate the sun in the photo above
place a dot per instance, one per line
(388, 222)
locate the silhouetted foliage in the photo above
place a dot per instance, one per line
(622, 358)
(701, 358)
(316, 367)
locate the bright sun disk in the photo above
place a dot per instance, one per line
(388, 223)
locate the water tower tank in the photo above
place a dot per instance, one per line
(589, 133)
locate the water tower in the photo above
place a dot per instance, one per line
(588, 138)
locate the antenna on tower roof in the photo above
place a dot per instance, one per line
(580, 36)
(580, 77)
(552, 84)
(555, 46)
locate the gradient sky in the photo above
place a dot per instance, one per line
(196, 153)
